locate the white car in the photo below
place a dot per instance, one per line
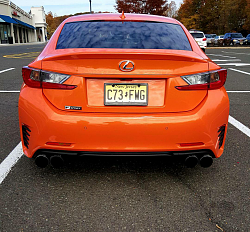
(199, 38)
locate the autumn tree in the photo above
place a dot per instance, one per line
(156, 7)
(246, 25)
(214, 16)
(54, 21)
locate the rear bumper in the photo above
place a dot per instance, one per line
(102, 133)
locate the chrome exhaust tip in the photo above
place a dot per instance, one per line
(42, 161)
(206, 161)
(56, 161)
(191, 161)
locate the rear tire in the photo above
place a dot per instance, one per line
(203, 49)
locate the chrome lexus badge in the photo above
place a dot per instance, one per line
(126, 66)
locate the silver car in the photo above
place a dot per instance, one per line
(210, 39)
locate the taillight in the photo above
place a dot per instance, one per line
(208, 80)
(204, 39)
(36, 78)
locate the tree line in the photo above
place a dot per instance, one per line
(209, 16)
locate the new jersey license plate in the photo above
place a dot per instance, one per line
(126, 94)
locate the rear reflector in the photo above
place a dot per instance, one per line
(36, 78)
(201, 81)
(204, 39)
(221, 135)
(26, 134)
(191, 144)
(58, 144)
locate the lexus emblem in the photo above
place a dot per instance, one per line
(126, 66)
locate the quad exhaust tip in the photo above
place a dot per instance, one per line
(191, 161)
(56, 161)
(42, 161)
(206, 161)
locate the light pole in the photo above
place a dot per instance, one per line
(90, 10)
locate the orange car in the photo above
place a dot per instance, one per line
(123, 84)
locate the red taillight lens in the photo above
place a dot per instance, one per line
(204, 39)
(202, 81)
(36, 78)
(31, 82)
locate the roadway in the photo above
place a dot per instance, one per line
(127, 194)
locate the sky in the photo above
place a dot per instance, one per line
(66, 7)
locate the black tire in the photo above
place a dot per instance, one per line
(203, 49)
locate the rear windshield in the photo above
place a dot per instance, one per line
(197, 35)
(238, 35)
(130, 35)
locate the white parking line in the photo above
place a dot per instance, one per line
(237, 53)
(235, 64)
(10, 161)
(5, 70)
(220, 55)
(236, 70)
(233, 60)
(239, 126)
(242, 91)
(12, 91)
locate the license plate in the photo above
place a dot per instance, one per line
(126, 94)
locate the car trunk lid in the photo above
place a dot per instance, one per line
(91, 69)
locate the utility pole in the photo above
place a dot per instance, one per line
(90, 10)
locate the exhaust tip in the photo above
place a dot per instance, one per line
(191, 161)
(56, 161)
(41, 161)
(206, 161)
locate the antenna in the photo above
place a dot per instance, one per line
(123, 15)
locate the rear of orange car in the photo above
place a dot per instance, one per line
(109, 85)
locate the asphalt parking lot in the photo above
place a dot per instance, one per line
(127, 194)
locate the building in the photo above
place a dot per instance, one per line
(18, 26)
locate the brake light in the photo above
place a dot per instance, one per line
(36, 78)
(191, 144)
(201, 81)
(58, 144)
(204, 39)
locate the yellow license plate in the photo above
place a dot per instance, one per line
(126, 94)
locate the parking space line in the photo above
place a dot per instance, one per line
(12, 91)
(242, 91)
(10, 161)
(218, 60)
(7, 70)
(239, 126)
(236, 70)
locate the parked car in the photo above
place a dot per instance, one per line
(247, 40)
(121, 85)
(219, 40)
(233, 39)
(210, 40)
(200, 38)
